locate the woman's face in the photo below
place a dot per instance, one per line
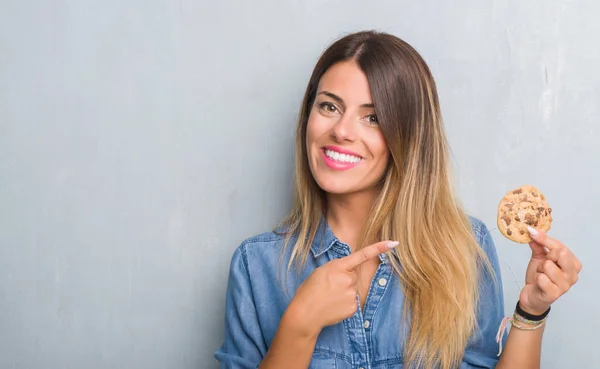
(347, 152)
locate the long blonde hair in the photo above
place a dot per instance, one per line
(439, 254)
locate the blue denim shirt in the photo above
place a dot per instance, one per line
(260, 289)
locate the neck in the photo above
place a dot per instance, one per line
(347, 215)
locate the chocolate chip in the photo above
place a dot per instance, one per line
(534, 194)
(521, 231)
(529, 219)
(516, 192)
(541, 208)
(517, 218)
(549, 210)
(523, 198)
(509, 206)
(509, 232)
(506, 220)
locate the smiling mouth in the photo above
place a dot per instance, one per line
(342, 158)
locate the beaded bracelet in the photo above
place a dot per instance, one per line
(537, 325)
(519, 318)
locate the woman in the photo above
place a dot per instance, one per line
(323, 290)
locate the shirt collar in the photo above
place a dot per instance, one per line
(324, 239)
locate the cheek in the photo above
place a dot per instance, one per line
(312, 134)
(314, 129)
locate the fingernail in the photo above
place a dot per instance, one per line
(533, 232)
(392, 244)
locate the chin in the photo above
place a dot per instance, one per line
(335, 186)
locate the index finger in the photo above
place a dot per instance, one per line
(367, 253)
(541, 238)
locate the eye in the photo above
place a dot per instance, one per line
(328, 107)
(372, 119)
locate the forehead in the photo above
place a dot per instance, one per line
(348, 81)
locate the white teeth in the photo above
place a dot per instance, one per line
(344, 158)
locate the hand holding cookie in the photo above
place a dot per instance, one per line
(524, 217)
(550, 274)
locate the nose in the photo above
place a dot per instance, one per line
(344, 129)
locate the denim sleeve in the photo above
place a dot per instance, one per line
(243, 345)
(482, 349)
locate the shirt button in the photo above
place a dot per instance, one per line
(366, 324)
(382, 282)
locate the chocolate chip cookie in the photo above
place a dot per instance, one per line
(522, 207)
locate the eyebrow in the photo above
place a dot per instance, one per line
(341, 101)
